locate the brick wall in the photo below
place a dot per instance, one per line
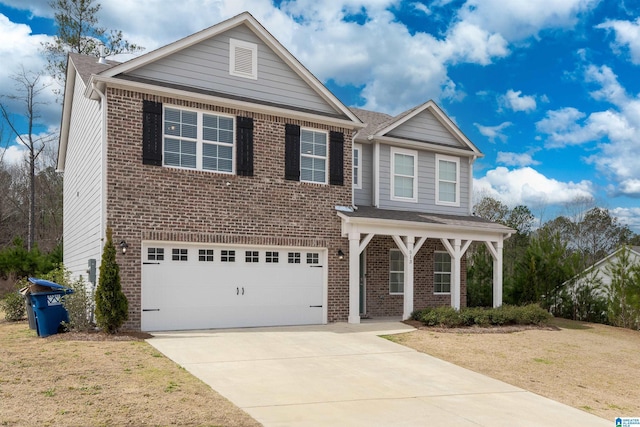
(159, 203)
(379, 303)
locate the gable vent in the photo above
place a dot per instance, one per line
(243, 59)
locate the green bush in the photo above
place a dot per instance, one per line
(79, 305)
(532, 314)
(111, 303)
(449, 317)
(13, 306)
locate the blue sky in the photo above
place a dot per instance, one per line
(547, 89)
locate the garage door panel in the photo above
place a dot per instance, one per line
(196, 287)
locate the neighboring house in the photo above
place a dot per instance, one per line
(225, 169)
(599, 273)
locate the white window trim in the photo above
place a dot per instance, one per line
(441, 272)
(414, 153)
(455, 160)
(325, 157)
(393, 271)
(200, 140)
(235, 44)
(358, 175)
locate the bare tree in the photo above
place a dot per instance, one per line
(29, 88)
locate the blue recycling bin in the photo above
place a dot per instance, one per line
(47, 306)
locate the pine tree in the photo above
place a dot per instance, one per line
(111, 303)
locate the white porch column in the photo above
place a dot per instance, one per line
(496, 253)
(354, 277)
(406, 246)
(408, 278)
(455, 288)
(456, 248)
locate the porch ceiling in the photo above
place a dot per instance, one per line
(367, 220)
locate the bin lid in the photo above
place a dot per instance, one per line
(48, 283)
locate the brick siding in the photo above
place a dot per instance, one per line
(167, 204)
(380, 303)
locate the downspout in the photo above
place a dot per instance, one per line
(103, 153)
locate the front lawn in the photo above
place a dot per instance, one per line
(64, 381)
(589, 366)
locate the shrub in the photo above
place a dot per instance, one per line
(449, 317)
(13, 306)
(79, 305)
(111, 303)
(417, 314)
(532, 314)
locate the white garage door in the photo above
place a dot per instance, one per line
(186, 286)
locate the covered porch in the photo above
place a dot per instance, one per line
(410, 231)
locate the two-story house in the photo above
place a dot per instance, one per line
(241, 192)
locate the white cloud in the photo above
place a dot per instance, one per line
(421, 8)
(12, 155)
(515, 101)
(519, 19)
(627, 36)
(494, 132)
(20, 50)
(516, 159)
(526, 186)
(628, 216)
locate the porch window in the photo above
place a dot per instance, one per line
(447, 180)
(442, 273)
(396, 272)
(404, 175)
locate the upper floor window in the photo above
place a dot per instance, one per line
(313, 156)
(404, 175)
(198, 140)
(357, 166)
(442, 273)
(447, 180)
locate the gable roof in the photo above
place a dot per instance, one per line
(633, 249)
(379, 125)
(248, 20)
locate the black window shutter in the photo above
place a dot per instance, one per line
(292, 152)
(244, 146)
(336, 154)
(152, 133)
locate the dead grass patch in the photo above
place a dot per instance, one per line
(99, 380)
(592, 367)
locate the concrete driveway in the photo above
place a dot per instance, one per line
(345, 375)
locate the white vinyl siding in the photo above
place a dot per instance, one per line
(426, 127)
(198, 140)
(205, 66)
(427, 179)
(442, 273)
(357, 166)
(404, 175)
(313, 156)
(447, 180)
(83, 182)
(396, 272)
